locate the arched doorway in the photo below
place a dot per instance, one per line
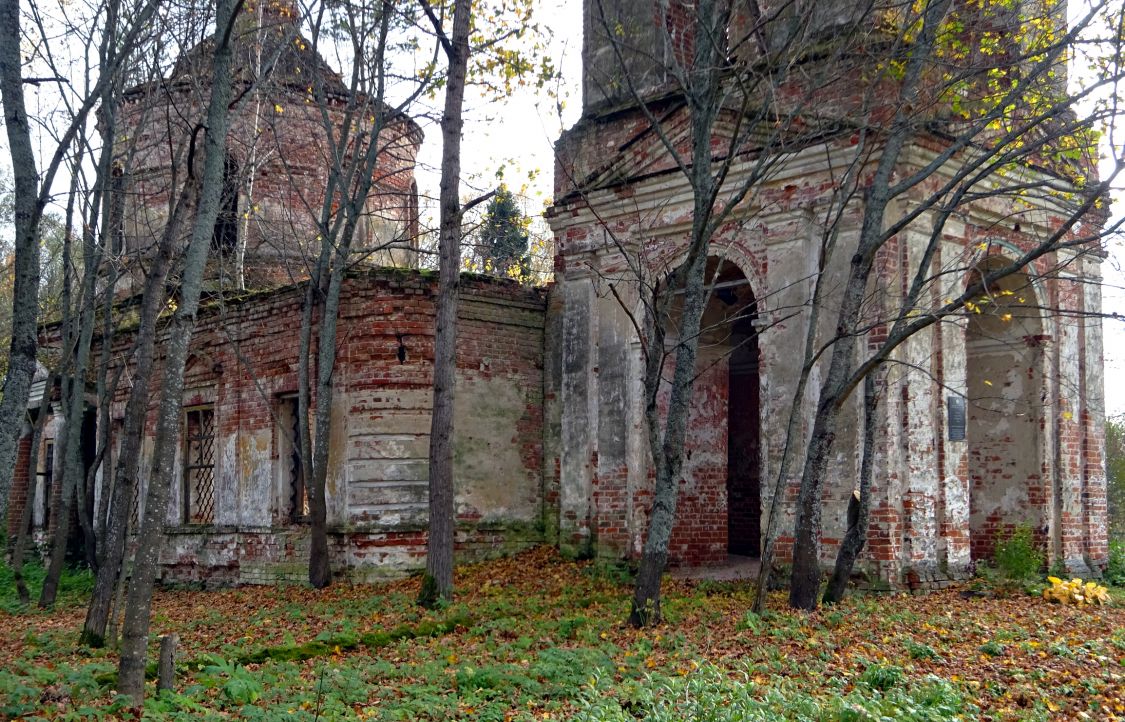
(1005, 416)
(729, 327)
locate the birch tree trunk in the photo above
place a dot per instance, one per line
(134, 644)
(437, 583)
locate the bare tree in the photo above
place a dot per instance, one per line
(1015, 126)
(369, 140)
(438, 580)
(125, 477)
(709, 117)
(34, 185)
(131, 668)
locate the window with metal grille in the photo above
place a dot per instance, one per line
(199, 465)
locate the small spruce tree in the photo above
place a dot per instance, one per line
(503, 233)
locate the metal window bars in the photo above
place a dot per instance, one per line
(199, 465)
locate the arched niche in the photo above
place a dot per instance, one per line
(1005, 396)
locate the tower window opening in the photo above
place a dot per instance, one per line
(225, 236)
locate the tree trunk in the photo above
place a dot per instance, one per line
(804, 585)
(349, 185)
(319, 568)
(61, 515)
(669, 451)
(25, 268)
(860, 502)
(74, 473)
(438, 580)
(792, 431)
(19, 545)
(703, 98)
(166, 669)
(128, 461)
(805, 581)
(134, 643)
(118, 603)
(105, 392)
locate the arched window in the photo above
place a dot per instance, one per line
(225, 236)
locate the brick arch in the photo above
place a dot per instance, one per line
(727, 252)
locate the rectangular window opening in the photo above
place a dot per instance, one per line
(44, 483)
(199, 465)
(295, 498)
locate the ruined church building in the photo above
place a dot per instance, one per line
(986, 424)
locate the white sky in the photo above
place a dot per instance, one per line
(518, 133)
(1113, 301)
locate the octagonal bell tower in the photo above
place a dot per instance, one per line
(278, 162)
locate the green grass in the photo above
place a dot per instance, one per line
(538, 638)
(75, 586)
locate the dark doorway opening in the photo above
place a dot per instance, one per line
(744, 488)
(728, 327)
(76, 542)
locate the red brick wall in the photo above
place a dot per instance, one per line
(249, 349)
(21, 481)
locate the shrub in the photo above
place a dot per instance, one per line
(882, 676)
(1017, 555)
(1115, 567)
(921, 651)
(751, 623)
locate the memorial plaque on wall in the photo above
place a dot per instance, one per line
(955, 406)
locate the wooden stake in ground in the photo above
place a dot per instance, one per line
(166, 671)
